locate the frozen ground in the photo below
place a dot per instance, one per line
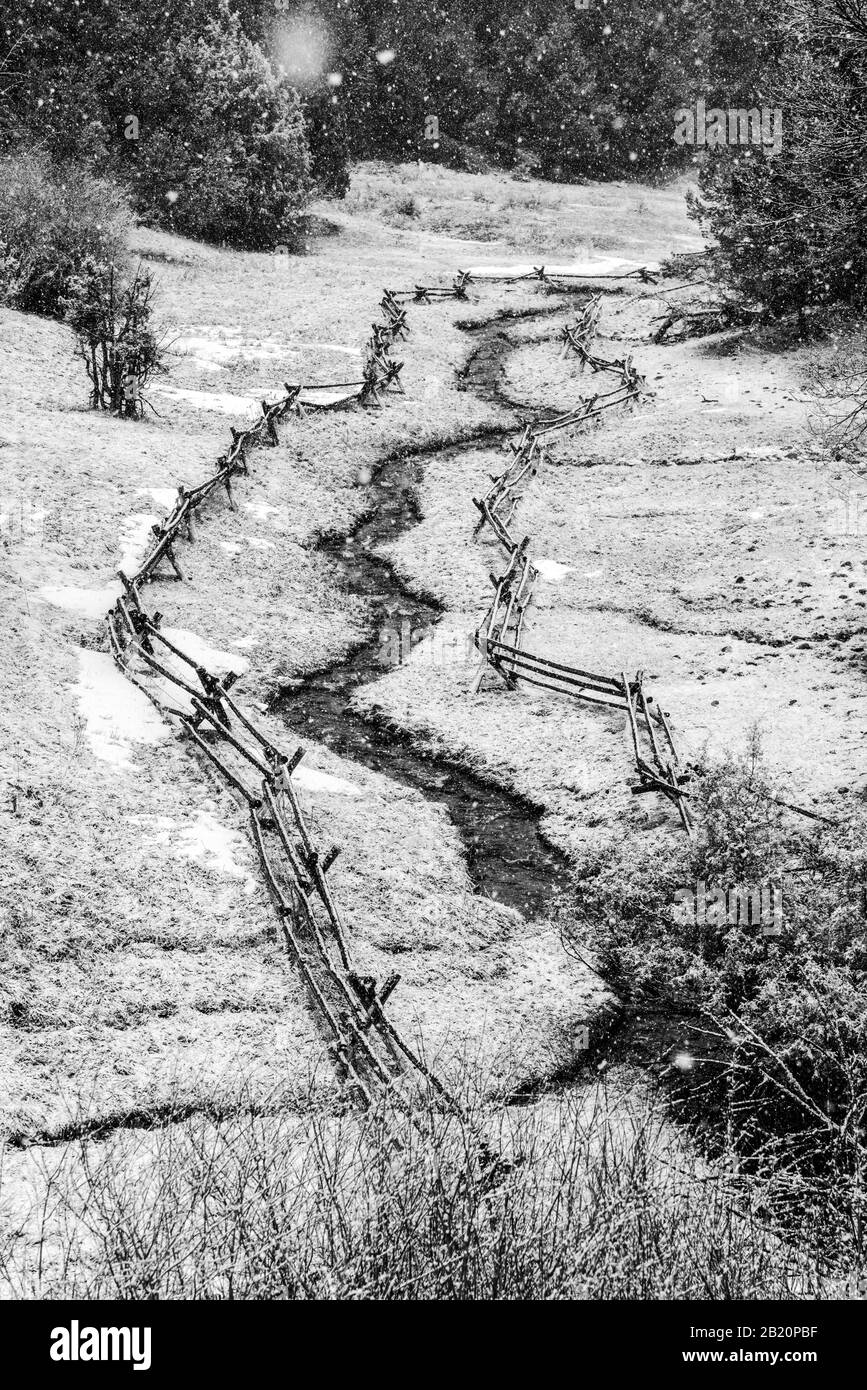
(141, 954)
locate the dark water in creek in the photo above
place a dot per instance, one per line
(507, 857)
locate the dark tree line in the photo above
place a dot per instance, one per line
(171, 97)
(242, 106)
(584, 92)
(792, 229)
(222, 116)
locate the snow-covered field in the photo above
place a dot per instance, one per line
(157, 854)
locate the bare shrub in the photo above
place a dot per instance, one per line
(838, 382)
(590, 1195)
(111, 318)
(782, 1077)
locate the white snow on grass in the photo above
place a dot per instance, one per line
(231, 547)
(321, 395)
(197, 650)
(600, 265)
(84, 603)
(225, 341)
(552, 569)
(165, 497)
(470, 240)
(210, 353)
(222, 401)
(135, 539)
(443, 646)
(316, 781)
(208, 842)
(116, 713)
(332, 347)
(261, 510)
(154, 822)
(246, 642)
(258, 543)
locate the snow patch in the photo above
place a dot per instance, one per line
(154, 822)
(231, 547)
(115, 712)
(602, 265)
(197, 650)
(316, 781)
(324, 395)
(257, 543)
(135, 537)
(442, 646)
(165, 497)
(222, 401)
(261, 510)
(84, 603)
(552, 569)
(471, 241)
(208, 842)
(333, 347)
(213, 353)
(246, 642)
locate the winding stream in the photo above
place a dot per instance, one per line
(507, 857)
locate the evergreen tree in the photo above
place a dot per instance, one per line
(228, 159)
(791, 231)
(325, 124)
(173, 97)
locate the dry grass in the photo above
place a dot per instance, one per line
(495, 210)
(597, 1200)
(699, 542)
(141, 985)
(132, 969)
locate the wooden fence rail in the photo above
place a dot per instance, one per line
(369, 1051)
(498, 637)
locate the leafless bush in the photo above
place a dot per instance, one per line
(590, 1196)
(838, 384)
(111, 318)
